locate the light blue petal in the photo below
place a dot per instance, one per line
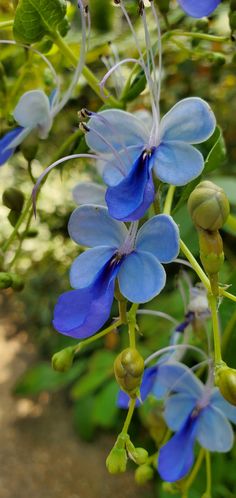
(226, 408)
(87, 265)
(117, 127)
(176, 377)
(92, 226)
(114, 172)
(214, 431)
(141, 277)
(160, 237)
(33, 111)
(191, 120)
(89, 193)
(199, 8)
(177, 409)
(177, 163)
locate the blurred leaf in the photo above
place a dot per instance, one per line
(89, 383)
(186, 191)
(83, 418)
(36, 18)
(137, 86)
(105, 408)
(228, 183)
(101, 360)
(43, 378)
(217, 153)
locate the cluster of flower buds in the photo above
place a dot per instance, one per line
(128, 368)
(123, 449)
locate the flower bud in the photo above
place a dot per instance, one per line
(143, 474)
(5, 280)
(63, 360)
(116, 461)
(128, 367)
(226, 381)
(208, 206)
(13, 198)
(29, 147)
(13, 217)
(17, 282)
(211, 251)
(138, 455)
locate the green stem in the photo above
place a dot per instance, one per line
(169, 199)
(199, 36)
(89, 76)
(94, 338)
(231, 222)
(194, 473)
(6, 24)
(129, 416)
(122, 303)
(227, 294)
(22, 237)
(215, 326)
(132, 324)
(208, 473)
(195, 265)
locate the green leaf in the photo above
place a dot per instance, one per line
(36, 18)
(136, 87)
(102, 360)
(83, 418)
(217, 153)
(90, 382)
(105, 407)
(43, 378)
(228, 183)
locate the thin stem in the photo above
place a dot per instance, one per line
(169, 199)
(195, 265)
(208, 473)
(169, 349)
(227, 294)
(6, 24)
(89, 76)
(95, 337)
(215, 326)
(194, 473)
(22, 237)
(160, 314)
(200, 36)
(132, 324)
(129, 416)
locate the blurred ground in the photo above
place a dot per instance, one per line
(40, 456)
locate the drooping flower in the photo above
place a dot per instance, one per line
(133, 257)
(195, 412)
(199, 8)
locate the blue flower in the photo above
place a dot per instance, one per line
(31, 113)
(131, 150)
(196, 412)
(199, 8)
(134, 258)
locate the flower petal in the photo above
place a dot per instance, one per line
(214, 430)
(123, 400)
(113, 172)
(92, 226)
(176, 457)
(87, 265)
(89, 193)
(226, 408)
(178, 407)
(33, 110)
(160, 237)
(141, 277)
(191, 120)
(177, 163)
(119, 128)
(176, 377)
(199, 8)
(129, 200)
(9, 142)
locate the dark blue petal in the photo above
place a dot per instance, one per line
(123, 400)
(80, 313)
(5, 150)
(176, 457)
(148, 380)
(199, 8)
(129, 199)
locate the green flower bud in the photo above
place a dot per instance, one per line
(13, 217)
(17, 282)
(116, 461)
(13, 198)
(63, 360)
(138, 455)
(128, 368)
(208, 206)
(170, 487)
(211, 251)
(29, 147)
(143, 474)
(5, 280)
(225, 379)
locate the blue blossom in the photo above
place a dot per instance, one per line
(199, 8)
(195, 412)
(131, 150)
(133, 257)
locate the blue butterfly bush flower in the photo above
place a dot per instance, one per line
(195, 412)
(199, 8)
(134, 258)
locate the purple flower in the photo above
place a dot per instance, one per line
(195, 412)
(131, 151)
(199, 8)
(134, 258)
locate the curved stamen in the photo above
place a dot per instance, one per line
(116, 66)
(159, 314)
(128, 245)
(169, 349)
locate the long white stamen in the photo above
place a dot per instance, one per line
(159, 314)
(129, 242)
(159, 48)
(168, 349)
(79, 67)
(121, 166)
(116, 66)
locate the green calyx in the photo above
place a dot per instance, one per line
(208, 206)
(63, 360)
(225, 379)
(128, 368)
(143, 474)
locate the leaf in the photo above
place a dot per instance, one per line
(36, 18)
(83, 418)
(217, 154)
(89, 383)
(43, 378)
(105, 407)
(136, 87)
(102, 360)
(228, 183)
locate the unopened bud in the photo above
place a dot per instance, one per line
(143, 474)
(13, 217)
(13, 198)
(208, 206)
(63, 360)
(5, 280)
(29, 147)
(129, 367)
(17, 282)
(138, 455)
(225, 379)
(116, 461)
(211, 251)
